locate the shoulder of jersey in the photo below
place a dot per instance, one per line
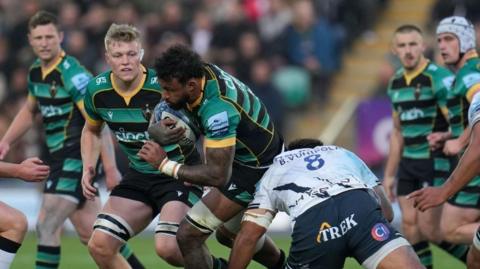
(102, 81)
(151, 80)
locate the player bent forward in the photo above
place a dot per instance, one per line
(336, 206)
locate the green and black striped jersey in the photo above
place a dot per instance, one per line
(58, 90)
(230, 114)
(128, 116)
(418, 100)
(467, 82)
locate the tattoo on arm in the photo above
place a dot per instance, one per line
(215, 172)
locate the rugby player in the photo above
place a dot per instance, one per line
(335, 203)
(456, 41)
(240, 142)
(13, 224)
(124, 98)
(418, 92)
(56, 86)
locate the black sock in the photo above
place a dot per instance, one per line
(424, 253)
(128, 254)
(457, 251)
(47, 257)
(8, 245)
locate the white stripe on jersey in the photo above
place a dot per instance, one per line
(302, 178)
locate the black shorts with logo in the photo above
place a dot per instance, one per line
(242, 184)
(414, 174)
(349, 224)
(155, 190)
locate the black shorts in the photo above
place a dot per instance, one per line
(241, 186)
(414, 174)
(66, 175)
(155, 190)
(350, 224)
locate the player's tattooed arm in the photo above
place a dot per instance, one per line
(215, 172)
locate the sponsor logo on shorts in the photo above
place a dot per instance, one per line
(380, 232)
(328, 232)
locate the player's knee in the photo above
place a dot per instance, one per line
(168, 250)
(84, 234)
(17, 223)
(99, 248)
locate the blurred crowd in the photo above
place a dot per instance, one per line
(285, 50)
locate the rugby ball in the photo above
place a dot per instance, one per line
(164, 111)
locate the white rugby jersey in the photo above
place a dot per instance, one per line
(302, 178)
(474, 110)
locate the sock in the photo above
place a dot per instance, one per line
(8, 249)
(219, 263)
(281, 262)
(127, 253)
(423, 252)
(47, 257)
(457, 251)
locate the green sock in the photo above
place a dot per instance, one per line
(424, 253)
(457, 251)
(128, 254)
(47, 257)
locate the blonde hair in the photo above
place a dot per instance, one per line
(121, 32)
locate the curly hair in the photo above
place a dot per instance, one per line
(304, 143)
(179, 62)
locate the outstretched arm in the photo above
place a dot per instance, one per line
(467, 168)
(31, 169)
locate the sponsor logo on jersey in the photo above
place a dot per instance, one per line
(328, 232)
(448, 81)
(288, 157)
(50, 111)
(124, 136)
(218, 124)
(66, 65)
(411, 114)
(380, 232)
(179, 193)
(471, 79)
(80, 82)
(100, 80)
(110, 114)
(232, 187)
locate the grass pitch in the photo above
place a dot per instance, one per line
(75, 255)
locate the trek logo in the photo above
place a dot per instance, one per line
(327, 232)
(411, 114)
(380, 232)
(50, 111)
(124, 136)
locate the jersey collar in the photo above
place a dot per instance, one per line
(200, 98)
(55, 62)
(410, 75)
(127, 96)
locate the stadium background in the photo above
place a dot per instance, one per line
(337, 94)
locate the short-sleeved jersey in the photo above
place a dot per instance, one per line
(230, 114)
(302, 178)
(418, 100)
(467, 82)
(474, 110)
(58, 90)
(128, 116)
